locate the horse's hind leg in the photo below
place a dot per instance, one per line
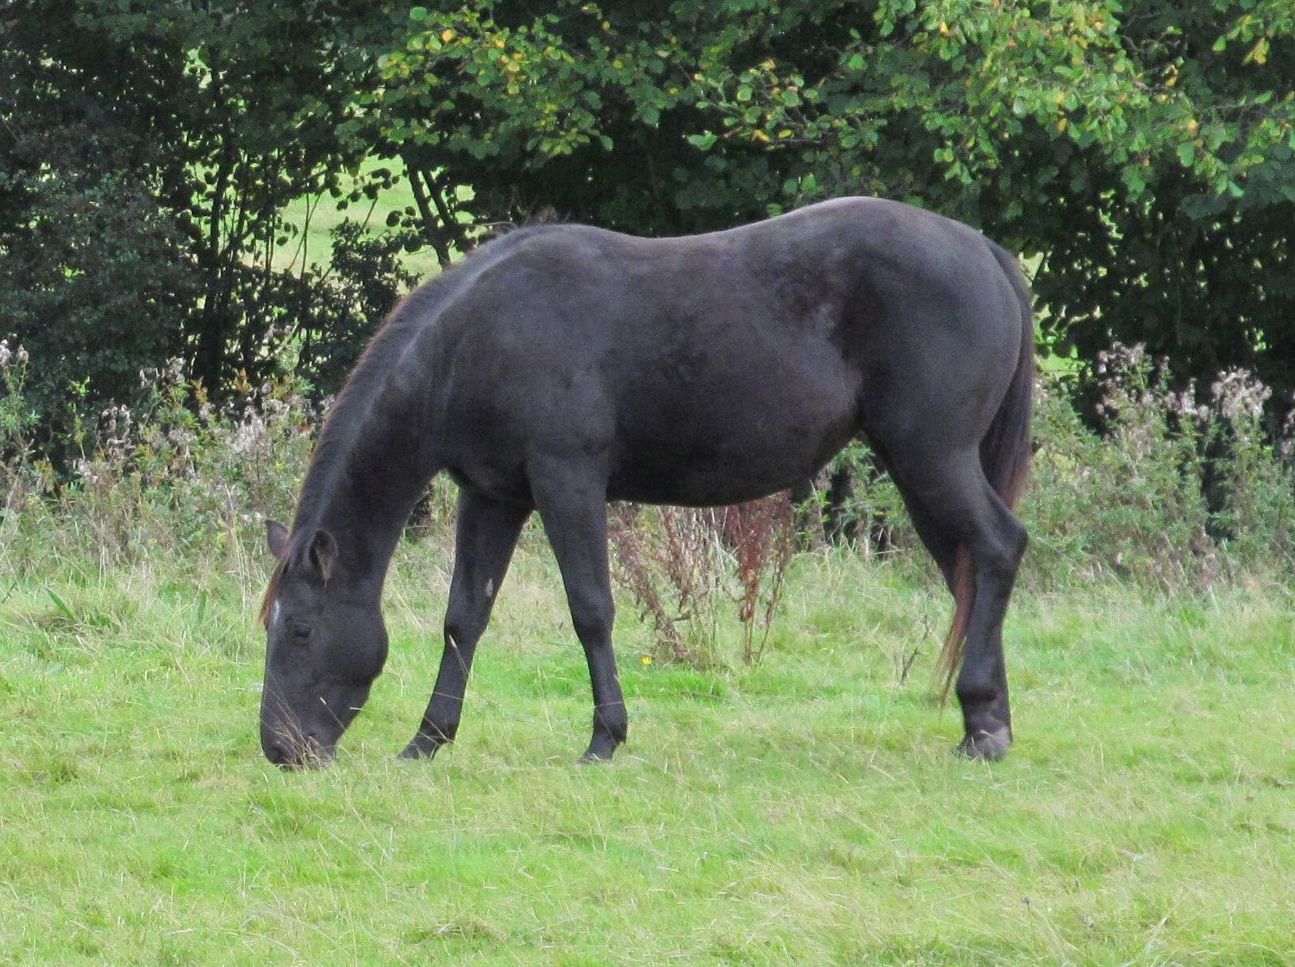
(955, 508)
(485, 535)
(572, 505)
(981, 685)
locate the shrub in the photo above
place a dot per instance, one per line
(1177, 488)
(175, 472)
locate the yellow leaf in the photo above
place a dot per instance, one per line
(1258, 53)
(447, 35)
(760, 135)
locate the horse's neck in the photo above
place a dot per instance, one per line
(365, 496)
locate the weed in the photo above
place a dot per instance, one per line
(668, 559)
(1177, 487)
(762, 537)
(679, 563)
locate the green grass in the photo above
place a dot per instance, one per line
(314, 218)
(807, 810)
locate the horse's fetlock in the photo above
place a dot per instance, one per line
(614, 721)
(439, 733)
(975, 695)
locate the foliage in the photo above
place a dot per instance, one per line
(93, 276)
(342, 306)
(1181, 489)
(175, 472)
(1176, 490)
(148, 153)
(1186, 487)
(1140, 154)
(18, 422)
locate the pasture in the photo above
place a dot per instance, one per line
(807, 809)
(804, 810)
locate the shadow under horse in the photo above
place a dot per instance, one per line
(562, 366)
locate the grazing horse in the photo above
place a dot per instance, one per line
(562, 366)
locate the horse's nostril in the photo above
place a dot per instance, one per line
(281, 752)
(275, 752)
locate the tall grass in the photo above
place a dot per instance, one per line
(1181, 489)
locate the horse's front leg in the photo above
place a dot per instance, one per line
(486, 533)
(572, 504)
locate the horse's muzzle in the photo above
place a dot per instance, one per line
(292, 752)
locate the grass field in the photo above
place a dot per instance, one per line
(314, 218)
(804, 811)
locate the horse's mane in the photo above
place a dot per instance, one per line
(405, 323)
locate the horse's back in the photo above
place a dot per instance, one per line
(712, 368)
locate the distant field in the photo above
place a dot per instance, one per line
(314, 218)
(804, 811)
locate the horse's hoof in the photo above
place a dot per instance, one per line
(421, 747)
(986, 746)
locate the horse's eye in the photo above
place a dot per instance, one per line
(299, 633)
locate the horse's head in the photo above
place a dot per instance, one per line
(326, 645)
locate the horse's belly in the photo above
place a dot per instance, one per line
(708, 461)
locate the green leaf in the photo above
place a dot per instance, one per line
(704, 141)
(1187, 154)
(1134, 180)
(418, 14)
(62, 605)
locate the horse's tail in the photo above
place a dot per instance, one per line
(1005, 456)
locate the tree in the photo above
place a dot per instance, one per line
(1142, 156)
(148, 152)
(92, 267)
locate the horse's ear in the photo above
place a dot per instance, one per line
(276, 537)
(323, 553)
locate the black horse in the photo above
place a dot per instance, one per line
(562, 366)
